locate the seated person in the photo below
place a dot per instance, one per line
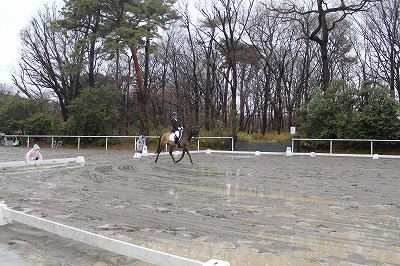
(141, 143)
(34, 154)
(3, 138)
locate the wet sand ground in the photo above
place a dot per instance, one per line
(245, 209)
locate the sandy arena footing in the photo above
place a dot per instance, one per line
(245, 209)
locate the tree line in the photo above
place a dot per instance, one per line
(240, 65)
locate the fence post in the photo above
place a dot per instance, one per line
(292, 144)
(134, 140)
(372, 147)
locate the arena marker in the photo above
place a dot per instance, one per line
(208, 151)
(257, 153)
(289, 151)
(80, 160)
(312, 154)
(144, 151)
(137, 155)
(375, 156)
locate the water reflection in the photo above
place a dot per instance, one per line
(323, 236)
(10, 257)
(175, 193)
(314, 251)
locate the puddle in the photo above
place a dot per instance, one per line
(10, 257)
(242, 190)
(314, 251)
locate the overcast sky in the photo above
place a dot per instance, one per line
(14, 16)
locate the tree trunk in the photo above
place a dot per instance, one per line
(140, 92)
(325, 67)
(241, 99)
(207, 99)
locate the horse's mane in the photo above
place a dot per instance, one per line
(192, 131)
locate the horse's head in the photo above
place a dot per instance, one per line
(195, 131)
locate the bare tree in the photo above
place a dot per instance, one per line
(381, 30)
(232, 17)
(51, 62)
(186, 21)
(317, 21)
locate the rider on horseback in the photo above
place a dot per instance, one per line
(176, 127)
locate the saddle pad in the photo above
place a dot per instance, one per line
(172, 137)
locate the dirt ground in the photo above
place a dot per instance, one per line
(245, 209)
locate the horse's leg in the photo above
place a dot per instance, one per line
(183, 154)
(159, 148)
(190, 157)
(158, 153)
(171, 148)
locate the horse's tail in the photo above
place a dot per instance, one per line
(159, 145)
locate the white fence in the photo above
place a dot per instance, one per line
(55, 139)
(331, 142)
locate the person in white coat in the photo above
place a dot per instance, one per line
(141, 143)
(34, 154)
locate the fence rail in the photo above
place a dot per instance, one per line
(55, 139)
(331, 142)
(295, 141)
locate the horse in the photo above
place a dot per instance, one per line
(187, 134)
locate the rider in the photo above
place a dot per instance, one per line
(176, 127)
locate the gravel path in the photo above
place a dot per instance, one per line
(245, 209)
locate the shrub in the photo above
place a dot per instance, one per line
(376, 116)
(94, 112)
(370, 113)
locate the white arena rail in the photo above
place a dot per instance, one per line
(80, 160)
(331, 141)
(127, 249)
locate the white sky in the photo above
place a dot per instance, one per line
(14, 16)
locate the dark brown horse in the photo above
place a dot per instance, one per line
(187, 134)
